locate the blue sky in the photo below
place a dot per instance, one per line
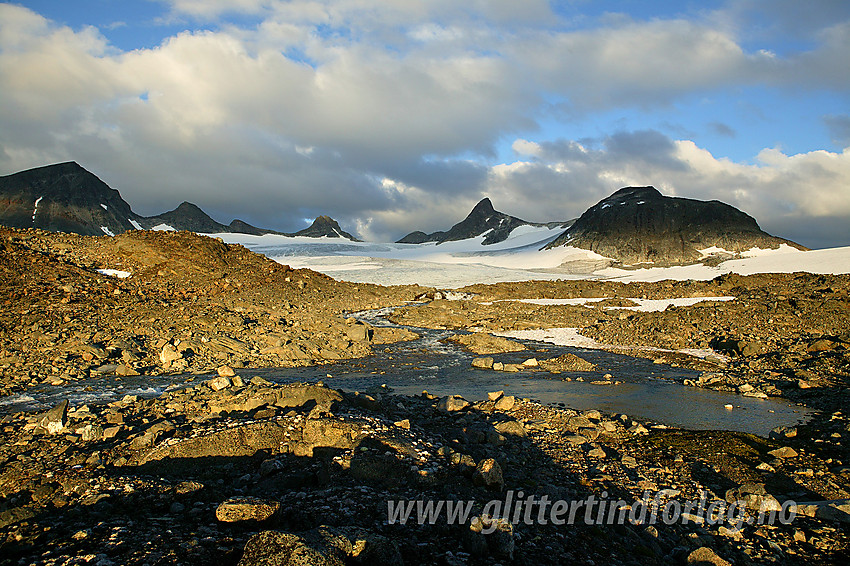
(400, 115)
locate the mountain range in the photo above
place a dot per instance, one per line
(65, 197)
(633, 225)
(483, 220)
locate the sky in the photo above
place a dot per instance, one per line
(400, 115)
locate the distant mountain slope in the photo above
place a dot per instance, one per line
(65, 197)
(483, 219)
(639, 224)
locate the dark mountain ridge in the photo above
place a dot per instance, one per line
(640, 225)
(65, 197)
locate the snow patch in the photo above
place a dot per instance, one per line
(115, 273)
(104, 207)
(35, 209)
(135, 224)
(557, 336)
(163, 228)
(643, 305)
(107, 231)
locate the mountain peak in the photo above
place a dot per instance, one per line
(325, 226)
(483, 220)
(639, 224)
(484, 206)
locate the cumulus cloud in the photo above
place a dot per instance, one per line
(389, 118)
(787, 194)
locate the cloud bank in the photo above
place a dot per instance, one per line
(398, 118)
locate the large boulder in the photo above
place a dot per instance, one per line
(323, 546)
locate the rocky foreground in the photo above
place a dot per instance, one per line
(236, 471)
(189, 304)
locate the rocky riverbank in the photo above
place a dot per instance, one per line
(173, 302)
(228, 472)
(232, 470)
(779, 335)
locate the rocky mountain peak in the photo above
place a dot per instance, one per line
(640, 225)
(327, 227)
(482, 220)
(483, 207)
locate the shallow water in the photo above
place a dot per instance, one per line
(648, 391)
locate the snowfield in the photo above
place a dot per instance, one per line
(519, 258)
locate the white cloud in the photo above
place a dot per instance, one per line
(308, 111)
(788, 194)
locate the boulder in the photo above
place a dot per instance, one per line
(488, 473)
(226, 371)
(54, 420)
(514, 428)
(484, 344)
(219, 383)
(490, 536)
(483, 363)
(505, 403)
(323, 546)
(705, 556)
(169, 354)
(359, 333)
(783, 452)
(452, 404)
(238, 509)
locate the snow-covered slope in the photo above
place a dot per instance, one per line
(464, 262)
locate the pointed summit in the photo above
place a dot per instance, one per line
(325, 226)
(484, 206)
(190, 217)
(482, 220)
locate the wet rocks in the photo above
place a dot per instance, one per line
(483, 363)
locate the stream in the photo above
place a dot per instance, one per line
(647, 390)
